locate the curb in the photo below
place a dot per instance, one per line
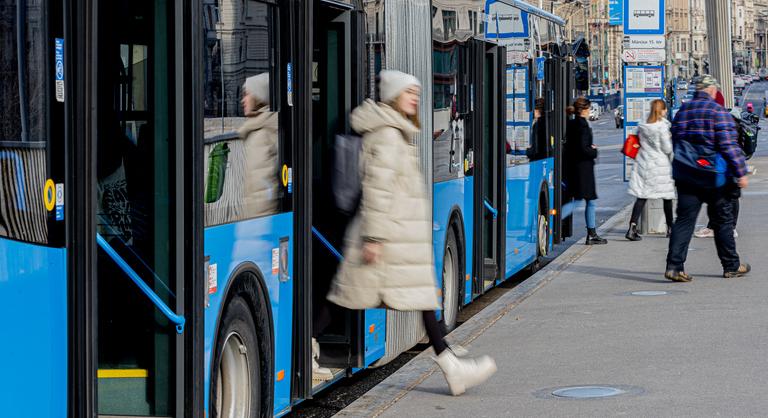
(389, 391)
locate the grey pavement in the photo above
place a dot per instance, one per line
(698, 351)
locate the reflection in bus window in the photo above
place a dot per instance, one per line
(24, 119)
(241, 118)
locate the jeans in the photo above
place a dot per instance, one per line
(732, 193)
(640, 204)
(689, 201)
(589, 214)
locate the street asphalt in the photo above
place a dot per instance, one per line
(697, 351)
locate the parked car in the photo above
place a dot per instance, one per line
(618, 116)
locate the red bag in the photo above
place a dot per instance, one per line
(631, 146)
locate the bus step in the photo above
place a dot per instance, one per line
(123, 392)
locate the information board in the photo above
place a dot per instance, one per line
(642, 85)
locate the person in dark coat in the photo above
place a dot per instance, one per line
(580, 155)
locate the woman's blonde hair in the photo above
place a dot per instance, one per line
(658, 111)
(413, 118)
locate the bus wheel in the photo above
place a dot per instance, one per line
(235, 376)
(451, 283)
(542, 240)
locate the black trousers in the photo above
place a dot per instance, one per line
(733, 194)
(689, 201)
(435, 331)
(637, 210)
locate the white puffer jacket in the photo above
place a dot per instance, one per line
(652, 175)
(393, 211)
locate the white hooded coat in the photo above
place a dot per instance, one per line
(652, 174)
(393, 211)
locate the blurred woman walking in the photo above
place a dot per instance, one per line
(652, 174)
(388, 258)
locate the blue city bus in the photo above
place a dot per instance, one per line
(167, 244)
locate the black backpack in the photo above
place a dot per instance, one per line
(346, 182)
(747, 125)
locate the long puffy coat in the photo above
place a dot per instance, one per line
(261, 160)
(393, 211)
(580, 160)
(652, 175)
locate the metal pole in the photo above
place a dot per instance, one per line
(720, 47)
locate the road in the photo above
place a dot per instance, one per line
(613, 197)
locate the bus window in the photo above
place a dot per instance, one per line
(245, 176)
(448, 122)
(23, 126)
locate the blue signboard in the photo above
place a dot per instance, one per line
(615, 12)
(643, 17)
(540, 68)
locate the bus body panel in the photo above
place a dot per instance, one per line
(469, 235)
(33, 307)
(253, 241)
(375, 335)
(447, 197)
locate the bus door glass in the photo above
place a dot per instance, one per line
(335, 91)
(490, 192)
(138, 346)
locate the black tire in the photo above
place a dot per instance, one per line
(236, 387)
(451, 282)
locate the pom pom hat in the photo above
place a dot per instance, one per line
(393, 83)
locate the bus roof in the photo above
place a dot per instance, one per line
(534, 11)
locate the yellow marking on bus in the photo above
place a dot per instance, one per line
(553, 212)
(284, 175)
(49, 195)
(122, 373)
(467, 279)
(372, 328)
(280, 375)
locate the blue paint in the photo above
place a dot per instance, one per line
(33, 325)
(131, 273)
(327, 244)
(19, 165)
(59, 58)
(494, 212)
(232, 245)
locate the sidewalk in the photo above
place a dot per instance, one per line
(700, 350)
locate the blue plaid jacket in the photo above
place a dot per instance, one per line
(703, 121)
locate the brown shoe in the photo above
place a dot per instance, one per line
(740, 272)
(678, 276)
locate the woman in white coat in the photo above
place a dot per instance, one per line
(388, 246)
(652, 175)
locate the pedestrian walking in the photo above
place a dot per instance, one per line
(652, 174)
(388, 257)
(707, 157)
(581, 153)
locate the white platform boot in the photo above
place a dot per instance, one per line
(319, 373)
(463, 373)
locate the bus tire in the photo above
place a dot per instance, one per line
(542, 236)
(235, 379)
(451, 281)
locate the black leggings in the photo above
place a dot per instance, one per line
(435, 331)
(640, 204)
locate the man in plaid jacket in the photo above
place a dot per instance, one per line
(704, 122)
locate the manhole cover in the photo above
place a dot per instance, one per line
(587, 392)
(649, 293)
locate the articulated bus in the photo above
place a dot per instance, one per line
(166, 253)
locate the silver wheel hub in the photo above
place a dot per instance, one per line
(449, 289)
(233, 383)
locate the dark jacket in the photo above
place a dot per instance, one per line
(580, 160)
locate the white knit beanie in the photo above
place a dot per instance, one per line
(258, 87)
(392, 83)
